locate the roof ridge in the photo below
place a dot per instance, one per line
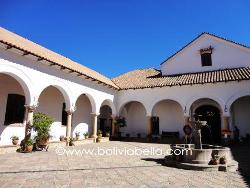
(203, 33)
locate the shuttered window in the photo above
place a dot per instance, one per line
(64, 115)
(15, 109)
(206, 59)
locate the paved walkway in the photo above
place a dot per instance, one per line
(48, 169)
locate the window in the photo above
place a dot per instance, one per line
(15, 109)
(64, 115)
(206, 57)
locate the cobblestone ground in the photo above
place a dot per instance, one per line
(48, 169)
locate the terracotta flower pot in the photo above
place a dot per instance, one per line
(98, 139)
(29, 148)
(213, 162)
(15, 142)
(43, 142)
(223, 161)
(86, 137)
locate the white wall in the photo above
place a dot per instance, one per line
(225, 55)
(171, 116)
(9, 85)
(222, 93)
(135, 115)
(241, 115)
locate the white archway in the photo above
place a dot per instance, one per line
(91, 99)
(109, 103)
(23, 79)
(136, 117)
(147, 108)
(167, 116)
(236, 96)
(63, 88)
(192, 100)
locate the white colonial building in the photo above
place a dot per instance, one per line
(209, 78)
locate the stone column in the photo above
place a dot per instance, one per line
(94, 125)
(68, 128)
(226, 133)
(149, 126)
(113, 125)
(29, 120)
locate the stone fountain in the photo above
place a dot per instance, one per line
(200, 156)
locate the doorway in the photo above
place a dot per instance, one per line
(210, 134)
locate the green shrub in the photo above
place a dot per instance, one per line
(29, 142)
(41, 124)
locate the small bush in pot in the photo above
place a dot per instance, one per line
(41, 124)
(28, 145)
(62, 138)
(77, 135)
(99, 133)
(71, 141)
(86, 135)
(223, 160)
(214, 160)
(107, 134)
(15, 140)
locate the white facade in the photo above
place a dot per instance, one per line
(34, 80)
(48, 88)
(225, 55)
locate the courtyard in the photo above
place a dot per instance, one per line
(60, 169)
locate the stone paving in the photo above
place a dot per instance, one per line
(48, 169)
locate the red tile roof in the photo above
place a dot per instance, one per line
(149, 78)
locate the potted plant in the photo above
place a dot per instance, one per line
(41, 124)
(214, 160)
(71, 141)
(99, 133)
(107, 134)
(119, 122)
(77, 135)
(62, 138)
(223, 160)
(15, 140)
(28, 145)
(86, 135)
(98, 139)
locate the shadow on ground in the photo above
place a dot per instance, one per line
(241, 153)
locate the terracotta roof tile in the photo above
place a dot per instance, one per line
(26, 45)
(149, 78)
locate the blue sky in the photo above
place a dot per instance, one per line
(114, 37)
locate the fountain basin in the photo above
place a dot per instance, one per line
(199, 159)
(204, 155)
